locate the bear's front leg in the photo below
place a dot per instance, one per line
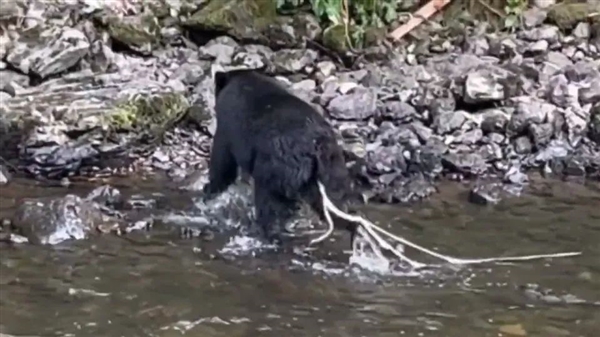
(222, 170)
(272, 212)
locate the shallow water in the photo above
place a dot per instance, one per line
(155, 283)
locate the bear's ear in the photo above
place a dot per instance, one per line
(221, 79)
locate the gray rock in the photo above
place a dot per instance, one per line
(477, 46)
(51, 52)
(595, 124)
(582, 71)
(326, 68)
(434, 99)
(538, 47)
(555, 149)
(12, 82)
(388, 133)
(534, 17)
(529, 111)
(424, 133)
(448, 122)
(293, 60)
(494, 120)
(541, 134)
(219, 50)
(544, 4)
(562, 93)
(503, 48)
(4, 97)
(491, 152)
(304, 86)
(523, 145)
(576, 121)
(406, 190)
(545, 32)
(465, 163)
(360, 104)
(485, 85)
(71, 116)
(591, 93)
(398, 111)
(306, 90)
(190, 73)
(470, 137)
(555, 62)
(386, 159)
(582, 30)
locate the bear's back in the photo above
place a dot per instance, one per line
(250, 98)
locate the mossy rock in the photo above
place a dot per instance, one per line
(568, 15)
(148, 116)
(243, 19)
(140, 34)
(373, 36)
(293, 31)
(336, 38)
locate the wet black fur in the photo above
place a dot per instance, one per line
(279, 140)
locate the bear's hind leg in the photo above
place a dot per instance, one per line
(272, 212)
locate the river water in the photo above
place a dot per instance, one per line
(156, 283)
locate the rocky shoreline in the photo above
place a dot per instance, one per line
(96, 92)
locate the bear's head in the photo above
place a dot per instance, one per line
(222, 77)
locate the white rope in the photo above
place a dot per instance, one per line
(370, 231)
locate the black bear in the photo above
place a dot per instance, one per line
(282, 142)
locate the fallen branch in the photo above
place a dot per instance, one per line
(369, 230)
(418, 17)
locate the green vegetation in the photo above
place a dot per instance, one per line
(513, 10)
(347, 23)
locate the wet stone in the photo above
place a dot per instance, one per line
(106, 195)
(486, 193)
(54, 220)
(466, 163)
(515, 176)
(4, 175)
(140, 202)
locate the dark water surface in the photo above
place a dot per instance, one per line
(157, 284)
